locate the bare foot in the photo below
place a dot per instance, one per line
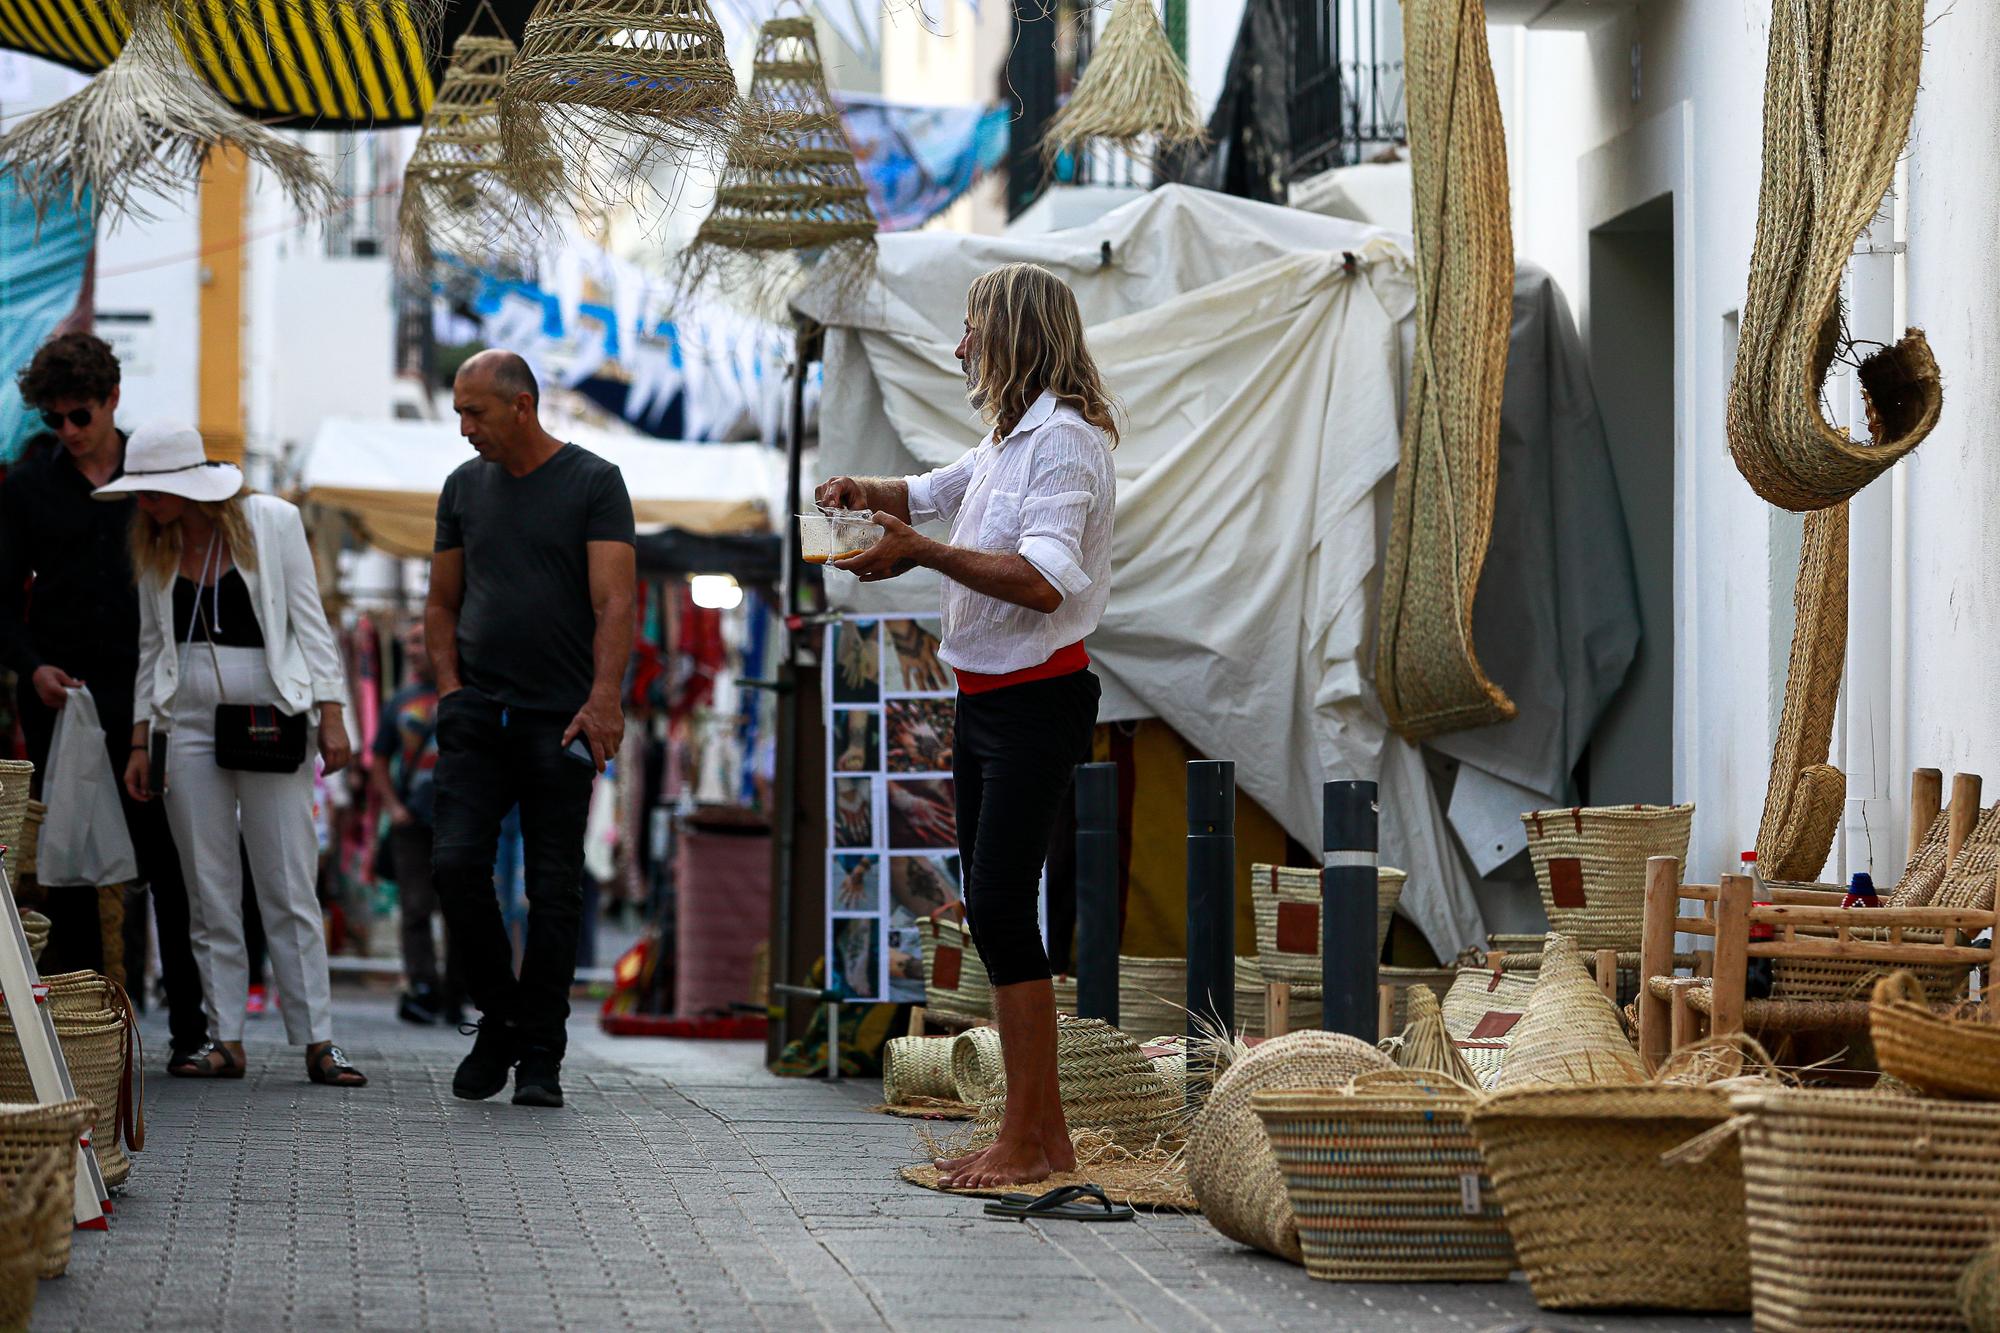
(1061, 1153)
(1004, 1164)
(952, 1165)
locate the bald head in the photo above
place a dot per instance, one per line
(496, 398)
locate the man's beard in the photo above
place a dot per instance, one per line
(973, 391)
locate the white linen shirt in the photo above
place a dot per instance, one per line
(1046, 491)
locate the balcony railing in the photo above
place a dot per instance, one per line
(1346, 102)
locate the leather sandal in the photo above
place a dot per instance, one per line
(202, 1063)
(330, 1065)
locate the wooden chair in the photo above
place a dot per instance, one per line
(1806, 923)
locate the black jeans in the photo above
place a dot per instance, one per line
(75, 939)
(411, 853)
(490, 759)
(1014, 757)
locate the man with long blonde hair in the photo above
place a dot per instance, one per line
(1027, 571)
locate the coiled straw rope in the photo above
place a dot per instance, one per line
(1839, 88)
(1802, 804)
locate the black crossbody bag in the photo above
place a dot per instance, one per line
(253, 738)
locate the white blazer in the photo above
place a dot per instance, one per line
(284, 591)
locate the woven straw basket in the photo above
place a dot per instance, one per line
(1272, 886)
(22, 1209)
(1105, 1081)
(1570, 1033)
(1481, 1009)
(1864, 1208)
(971, 1001)
(1598, 1220)
(1231, 1169)
(1150, 996)
(1591, 865)
(917, 1067)
(1251, 1016)
(32, 1137)
(36, 927)
(15, 775)
(99, 1035)
(1402, 980)
(1385, 1181)
(1951, 1057)
(25, 859)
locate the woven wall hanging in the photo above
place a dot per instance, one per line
(790, 187)
(1838, 92)
(615, 87)
(460, 192)
(145, 126)
(1134, 91)
(1803, 802)
(1426, 671)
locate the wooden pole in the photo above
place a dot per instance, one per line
(1682, 1031)
(1656, 956)
(1385, 1009)
(1732, 956)
(1607, 973)
(1964, 811)
(1277, 1008)
(1926, 799)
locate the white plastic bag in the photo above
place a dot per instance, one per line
(83, 840)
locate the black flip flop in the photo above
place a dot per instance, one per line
(1064, 1203)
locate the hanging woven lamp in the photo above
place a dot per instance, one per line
(146, 125)
(1426, 671)
(790, 187)
(614, 87)
(460, 191)
(1133, 93)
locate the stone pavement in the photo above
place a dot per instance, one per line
(681, 1188)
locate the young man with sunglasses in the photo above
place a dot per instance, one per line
(69, 616)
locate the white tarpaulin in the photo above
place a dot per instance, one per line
(1260, 373)
(387, 475)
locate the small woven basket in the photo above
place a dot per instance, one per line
(100, 1043)
(37, 1137)
(23, 1216)
(1864, 1208)
(977, 1076)
(1481, 1010)
(917, 1067)
(1590, 863)
(1947, 1056)
(1273, 886)
(1106, 1082)
(948, 949)
(1385, 1181)
(1598, 1220)
(1231, 1168)
(15, 777)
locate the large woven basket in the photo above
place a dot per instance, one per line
(100, 1042)
(917, 1068)
(1385, 1181)
(1401, 980)
(1481, 1010)
(1591, 865)
(1273, 886)
(1252, 1018)
(1151, 995)
(1598, 1220)
(15, 777)
(948, 949)
(1864, 1207)
(1948, 1056)
(31, 838)
(1105, 1081)
(23, 1210)
(1231, 1169)
(32, 1136)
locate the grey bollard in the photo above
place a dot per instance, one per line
(1349, 955)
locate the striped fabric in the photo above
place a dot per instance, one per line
(325, 64)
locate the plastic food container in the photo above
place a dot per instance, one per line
(836, 535)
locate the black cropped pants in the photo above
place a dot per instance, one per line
(1014, 756)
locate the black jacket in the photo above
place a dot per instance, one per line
(67, 596)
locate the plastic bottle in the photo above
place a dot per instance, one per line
(1758, 973)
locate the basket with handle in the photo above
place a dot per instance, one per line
(1286, 900)
(955, 983)
(41, 1136)
(1386, 1182)
(1590, 863)
(1946, 1055)
(100, 1041)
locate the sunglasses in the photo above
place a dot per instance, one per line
(78, 417)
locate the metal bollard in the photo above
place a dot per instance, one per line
(1349, 955)
(1211, 894)
(1097, 932)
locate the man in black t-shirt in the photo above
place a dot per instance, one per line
(529, 626)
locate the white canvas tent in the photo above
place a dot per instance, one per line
(1261, 354)
(386, 476)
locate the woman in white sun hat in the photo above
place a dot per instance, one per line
(235, 654)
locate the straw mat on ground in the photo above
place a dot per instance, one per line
(1231, 1167)
(1598, 1220)
(1805, 794)
(1426, 670)
(1134, 91)
(1569, 1032)
(1948, 1055)
(1590, 864)
(1839, 87)
(1864, 1208)
(1142, 1184)
(927, 1109)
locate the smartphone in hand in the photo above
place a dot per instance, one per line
(580, 749)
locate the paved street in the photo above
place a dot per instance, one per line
(681, 1188)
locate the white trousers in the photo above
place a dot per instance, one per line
(209, 808)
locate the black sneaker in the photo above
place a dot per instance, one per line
(418, 1007)
(483, 1071)
(538, 1080)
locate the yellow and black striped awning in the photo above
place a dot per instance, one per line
(306, 64)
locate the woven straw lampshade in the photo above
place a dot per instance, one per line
(789, 182)
(460, 191)
(146, 125)
(1570, 1032)
(1839, 88)
(1802, 804)
(1426, 1043)
(1426, 672)
(1133, 93)
(615, 86)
